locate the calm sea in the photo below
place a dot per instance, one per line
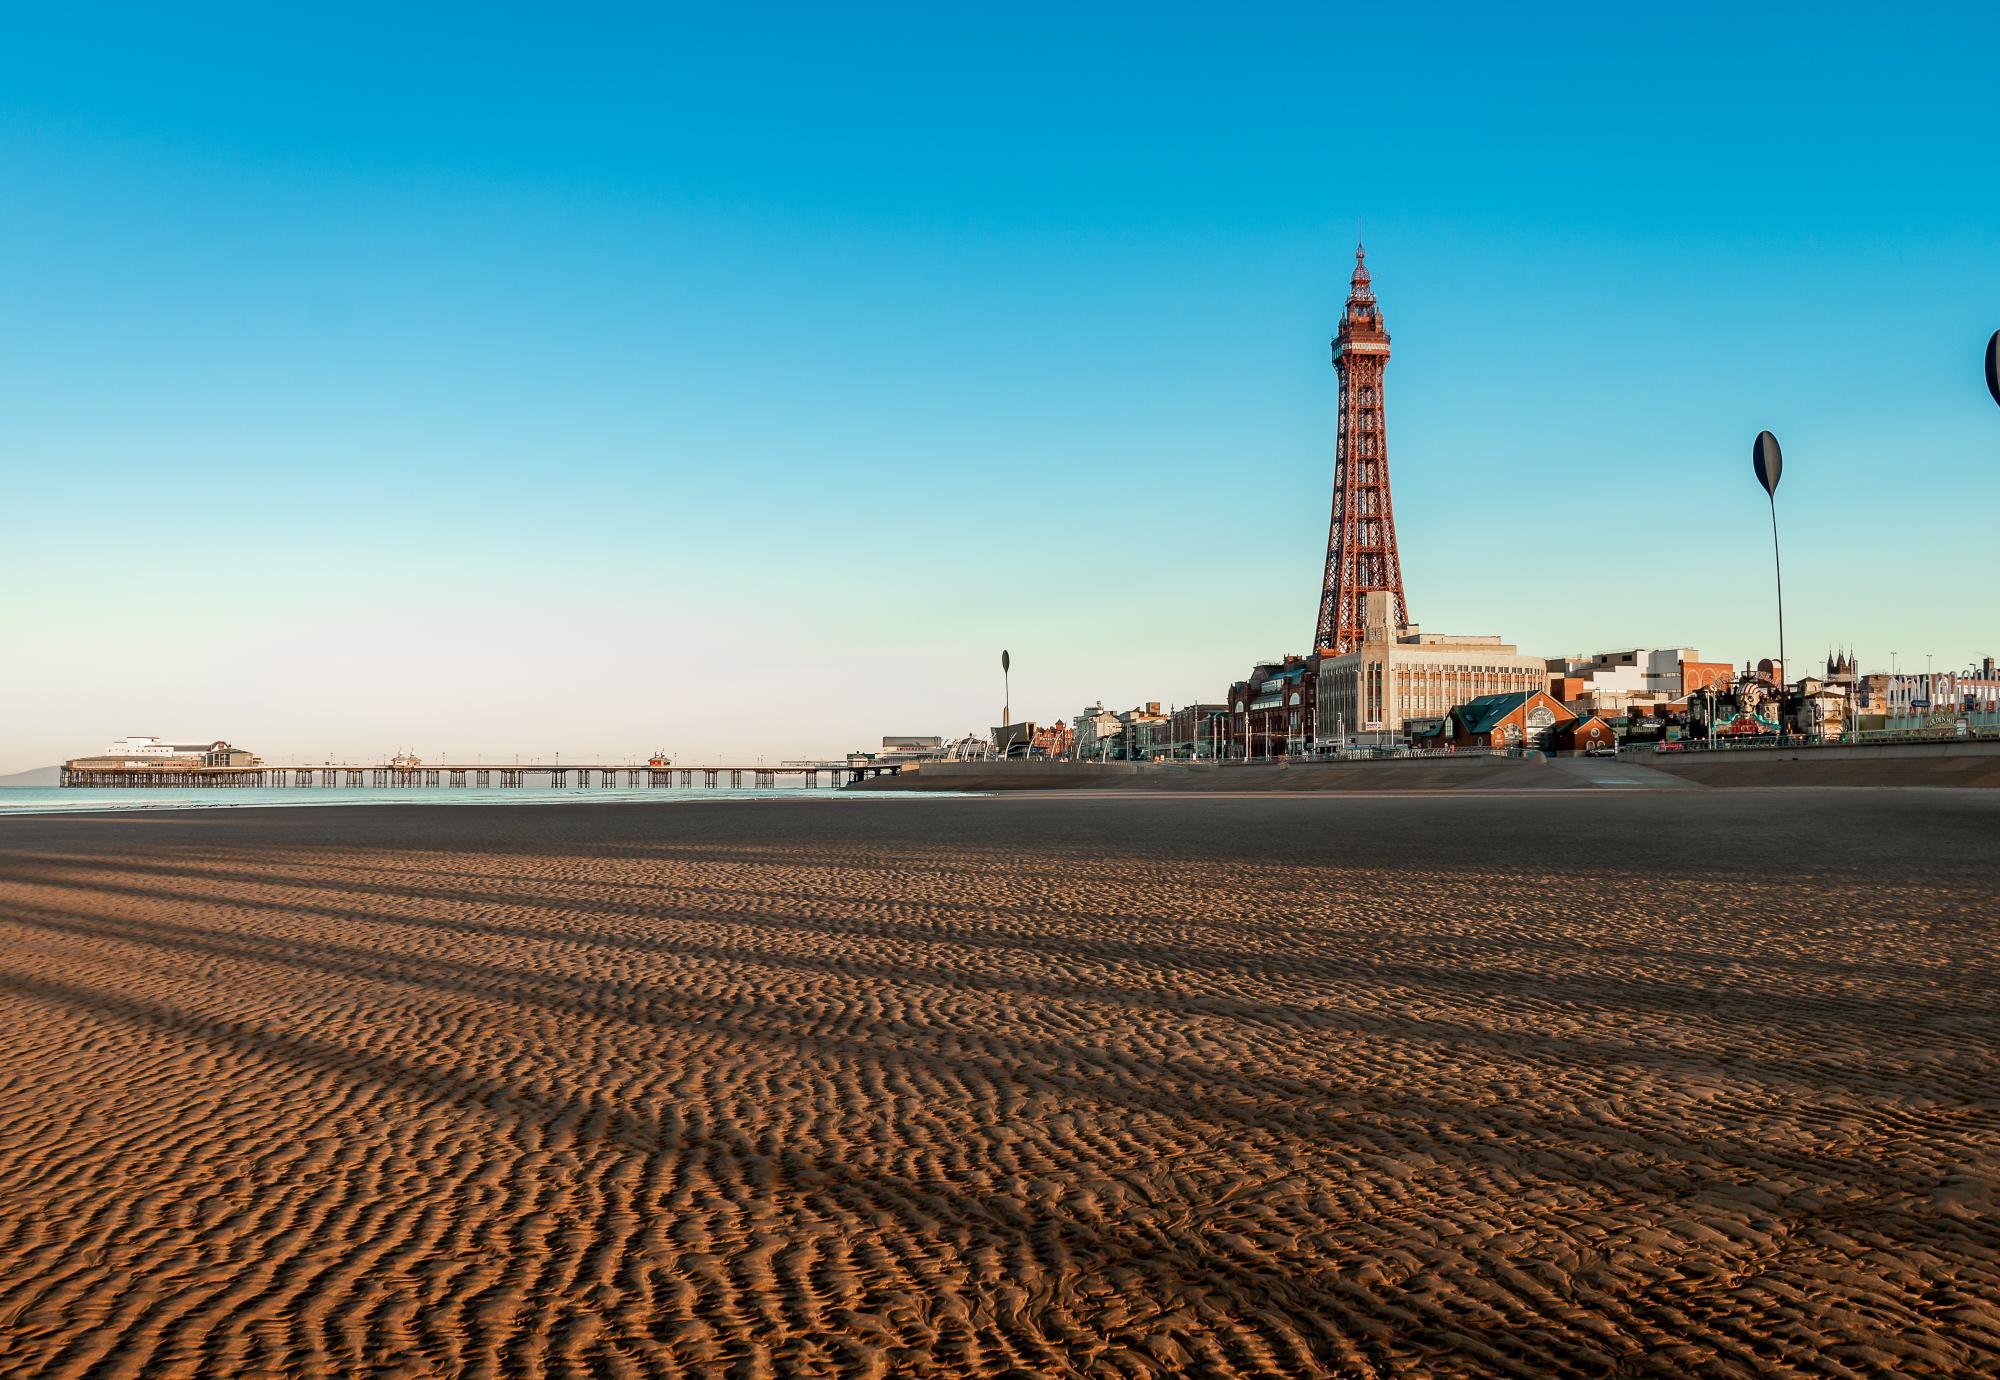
(53, 800)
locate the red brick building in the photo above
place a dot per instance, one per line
(1052, 740)
(1585, 735)
(1502, 721)
(1271, 713)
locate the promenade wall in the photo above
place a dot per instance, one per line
(1951, 762)
(1947, 763)
(1395, 774)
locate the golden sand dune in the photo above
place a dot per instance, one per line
(1576, 1084)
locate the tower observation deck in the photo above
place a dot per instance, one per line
(1361, 542)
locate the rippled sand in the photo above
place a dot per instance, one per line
(1575, 1084)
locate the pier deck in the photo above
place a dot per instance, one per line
(476, 774)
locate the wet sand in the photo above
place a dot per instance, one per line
(1575, 1083)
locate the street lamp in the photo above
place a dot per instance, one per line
(1769, 462)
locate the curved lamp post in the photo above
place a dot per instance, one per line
(1993, 366)
(1769, 463)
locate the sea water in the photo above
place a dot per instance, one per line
(38, 800)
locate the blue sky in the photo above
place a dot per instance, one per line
(502, 380)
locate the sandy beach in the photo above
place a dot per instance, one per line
(1546, 1084)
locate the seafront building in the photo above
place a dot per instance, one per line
(1053, 741)
(1199, 731)
(1144, 732)
(1403, 678)
(1641, 692)
(1273, 711)
(1582, 736)
(1095, 733)
(1641, 680)
(1519, 719)
(1977, 688)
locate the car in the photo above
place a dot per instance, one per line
(1601, 750)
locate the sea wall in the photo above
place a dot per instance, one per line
(1391, 774)
(1950, 762)
(1945, 763)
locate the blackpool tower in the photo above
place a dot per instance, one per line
(1361, 545)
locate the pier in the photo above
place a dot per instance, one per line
(461, 775)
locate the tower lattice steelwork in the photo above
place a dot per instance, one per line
(1361, 545)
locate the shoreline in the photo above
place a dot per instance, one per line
(1120, 793)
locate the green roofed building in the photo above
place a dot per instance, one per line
(1519, 719)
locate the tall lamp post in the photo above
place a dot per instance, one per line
(1769, 463)
(1006, 687)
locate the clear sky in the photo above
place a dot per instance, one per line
(500, 381)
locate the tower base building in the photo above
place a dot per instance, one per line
(1402, 678)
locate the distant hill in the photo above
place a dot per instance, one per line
(39, 776)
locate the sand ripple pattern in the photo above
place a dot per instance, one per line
(1552, 1086)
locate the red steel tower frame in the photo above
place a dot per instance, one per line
(1361, 544)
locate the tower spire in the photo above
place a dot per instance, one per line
(1361, 540)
